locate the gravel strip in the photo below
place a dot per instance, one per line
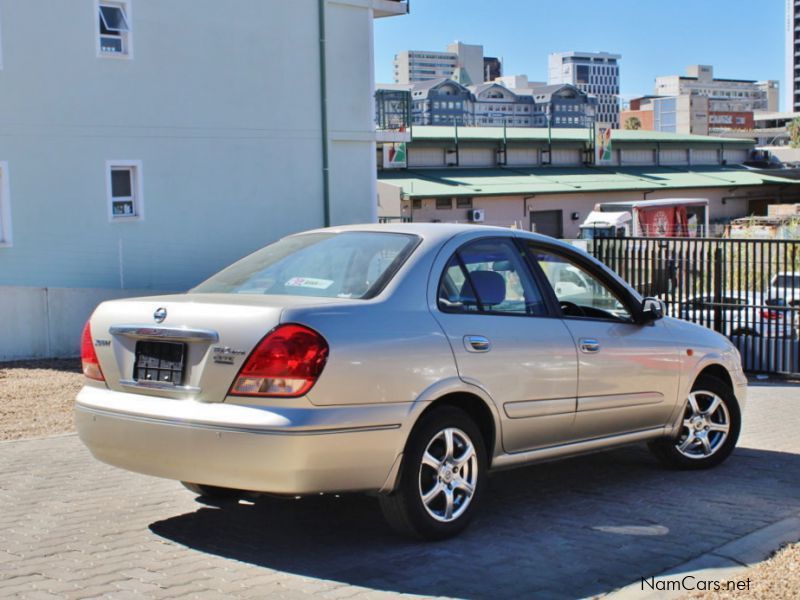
(775, 579)
(37, 396)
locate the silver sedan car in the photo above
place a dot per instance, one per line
(408, 361)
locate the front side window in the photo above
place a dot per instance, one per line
(354, 264)
(114, 28)
(579, 292)
(489, 276)
(124, 190)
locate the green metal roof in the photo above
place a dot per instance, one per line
(540, 134)
(429, 183)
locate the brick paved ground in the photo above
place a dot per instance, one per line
(72, 527)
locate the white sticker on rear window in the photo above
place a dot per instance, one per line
(309, 282)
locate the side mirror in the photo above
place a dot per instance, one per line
(653, 309)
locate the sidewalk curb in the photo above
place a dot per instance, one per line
(728, 561)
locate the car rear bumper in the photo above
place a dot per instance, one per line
(266, 449)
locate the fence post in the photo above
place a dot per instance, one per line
(718, 279)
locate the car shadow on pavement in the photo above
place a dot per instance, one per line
(571, 528)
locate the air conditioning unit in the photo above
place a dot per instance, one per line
(477, 215)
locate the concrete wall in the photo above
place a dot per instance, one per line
(222, 108)
(47, 322)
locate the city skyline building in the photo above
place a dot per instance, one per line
(463, 62)
(596, 73)
(792, 82)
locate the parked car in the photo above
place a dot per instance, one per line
(786, 285)
(407, 361)
(742, 314)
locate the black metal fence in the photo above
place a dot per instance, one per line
(746, 289)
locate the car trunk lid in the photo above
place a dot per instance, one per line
(189, 345)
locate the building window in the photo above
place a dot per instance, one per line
(114, 30)
(444, 203)
(124, 183)
(5, 207)
(416, 203)
(463, 202)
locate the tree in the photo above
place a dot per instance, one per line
(633, 123)
(794, 133)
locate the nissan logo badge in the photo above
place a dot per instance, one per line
(160, 314)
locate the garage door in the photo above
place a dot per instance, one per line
(637, 157)
(566, 157)
(548, 222)
(704, 157)
(425, 157)
(674, 157)
(735, 157)
(522, 157)
(477, 157)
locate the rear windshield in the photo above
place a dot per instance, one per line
(354, 264)
(786, 281)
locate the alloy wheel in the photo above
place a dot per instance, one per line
(448, 474)
(706, 424)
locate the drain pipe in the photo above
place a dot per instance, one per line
(323, 99)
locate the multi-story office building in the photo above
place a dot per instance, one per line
(596, 73)
(686, 113)
(670, 114)
(447, 102)
(412, 66)
(492, 68)
(792, 55)
(731, 95)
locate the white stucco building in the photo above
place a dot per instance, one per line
(733, 95)
(145, 144)
(466, 61)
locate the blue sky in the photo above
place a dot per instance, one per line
(742, 39)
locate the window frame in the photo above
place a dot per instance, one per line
(6, 239)
(464, 202)
(127, 37)
(535, 279)
(135, 166)
(448, 199)
(623, 295)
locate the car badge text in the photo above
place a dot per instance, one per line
(224, 355)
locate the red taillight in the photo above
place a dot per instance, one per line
(287, 363)
(89, 362)
(771, 314)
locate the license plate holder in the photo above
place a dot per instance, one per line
(159, 362)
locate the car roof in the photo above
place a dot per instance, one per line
(438, 231)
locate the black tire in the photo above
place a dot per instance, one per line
(405, 510)
(213, 492)
(667, 449)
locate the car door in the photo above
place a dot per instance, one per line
(506, 339)
(629, 372)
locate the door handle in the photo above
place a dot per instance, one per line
(477, 343)
(589, 346)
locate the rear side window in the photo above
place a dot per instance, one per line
(354, 264)
(489, 276)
